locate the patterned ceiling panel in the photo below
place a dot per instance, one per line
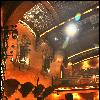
(39, 18)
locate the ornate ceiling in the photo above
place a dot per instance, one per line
(41, 18)
(50, 17)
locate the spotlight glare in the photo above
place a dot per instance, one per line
(48, 70)
(77, 17)
(55, 38)
(97, 7)
(71, 30)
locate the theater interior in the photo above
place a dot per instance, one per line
(50, 50)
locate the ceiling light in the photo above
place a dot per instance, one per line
(55, 38)
(97, 7)
(48, 70)
(77, 17)
(71, 29)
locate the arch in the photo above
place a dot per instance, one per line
(19, 12)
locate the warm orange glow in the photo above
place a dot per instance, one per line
(96, 97)
(85, 59)
(61, 74)
(76, 96)
(35, 61)
(1, 16)
(85, 65)
(64, 88)
(59, 57)
(69, 64)
(27, 26)
(56, 95)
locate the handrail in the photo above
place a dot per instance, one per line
(83, 52)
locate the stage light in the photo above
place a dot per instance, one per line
(77, 17)
(48, 70)
(85, 65)
(97, 7)
(71, 29)
(55, 38)
(76, 96)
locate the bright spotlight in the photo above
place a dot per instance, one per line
(77, 17)
(55, 38)
(48, 70)
(72, 29)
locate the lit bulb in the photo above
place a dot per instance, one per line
(71, 30)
